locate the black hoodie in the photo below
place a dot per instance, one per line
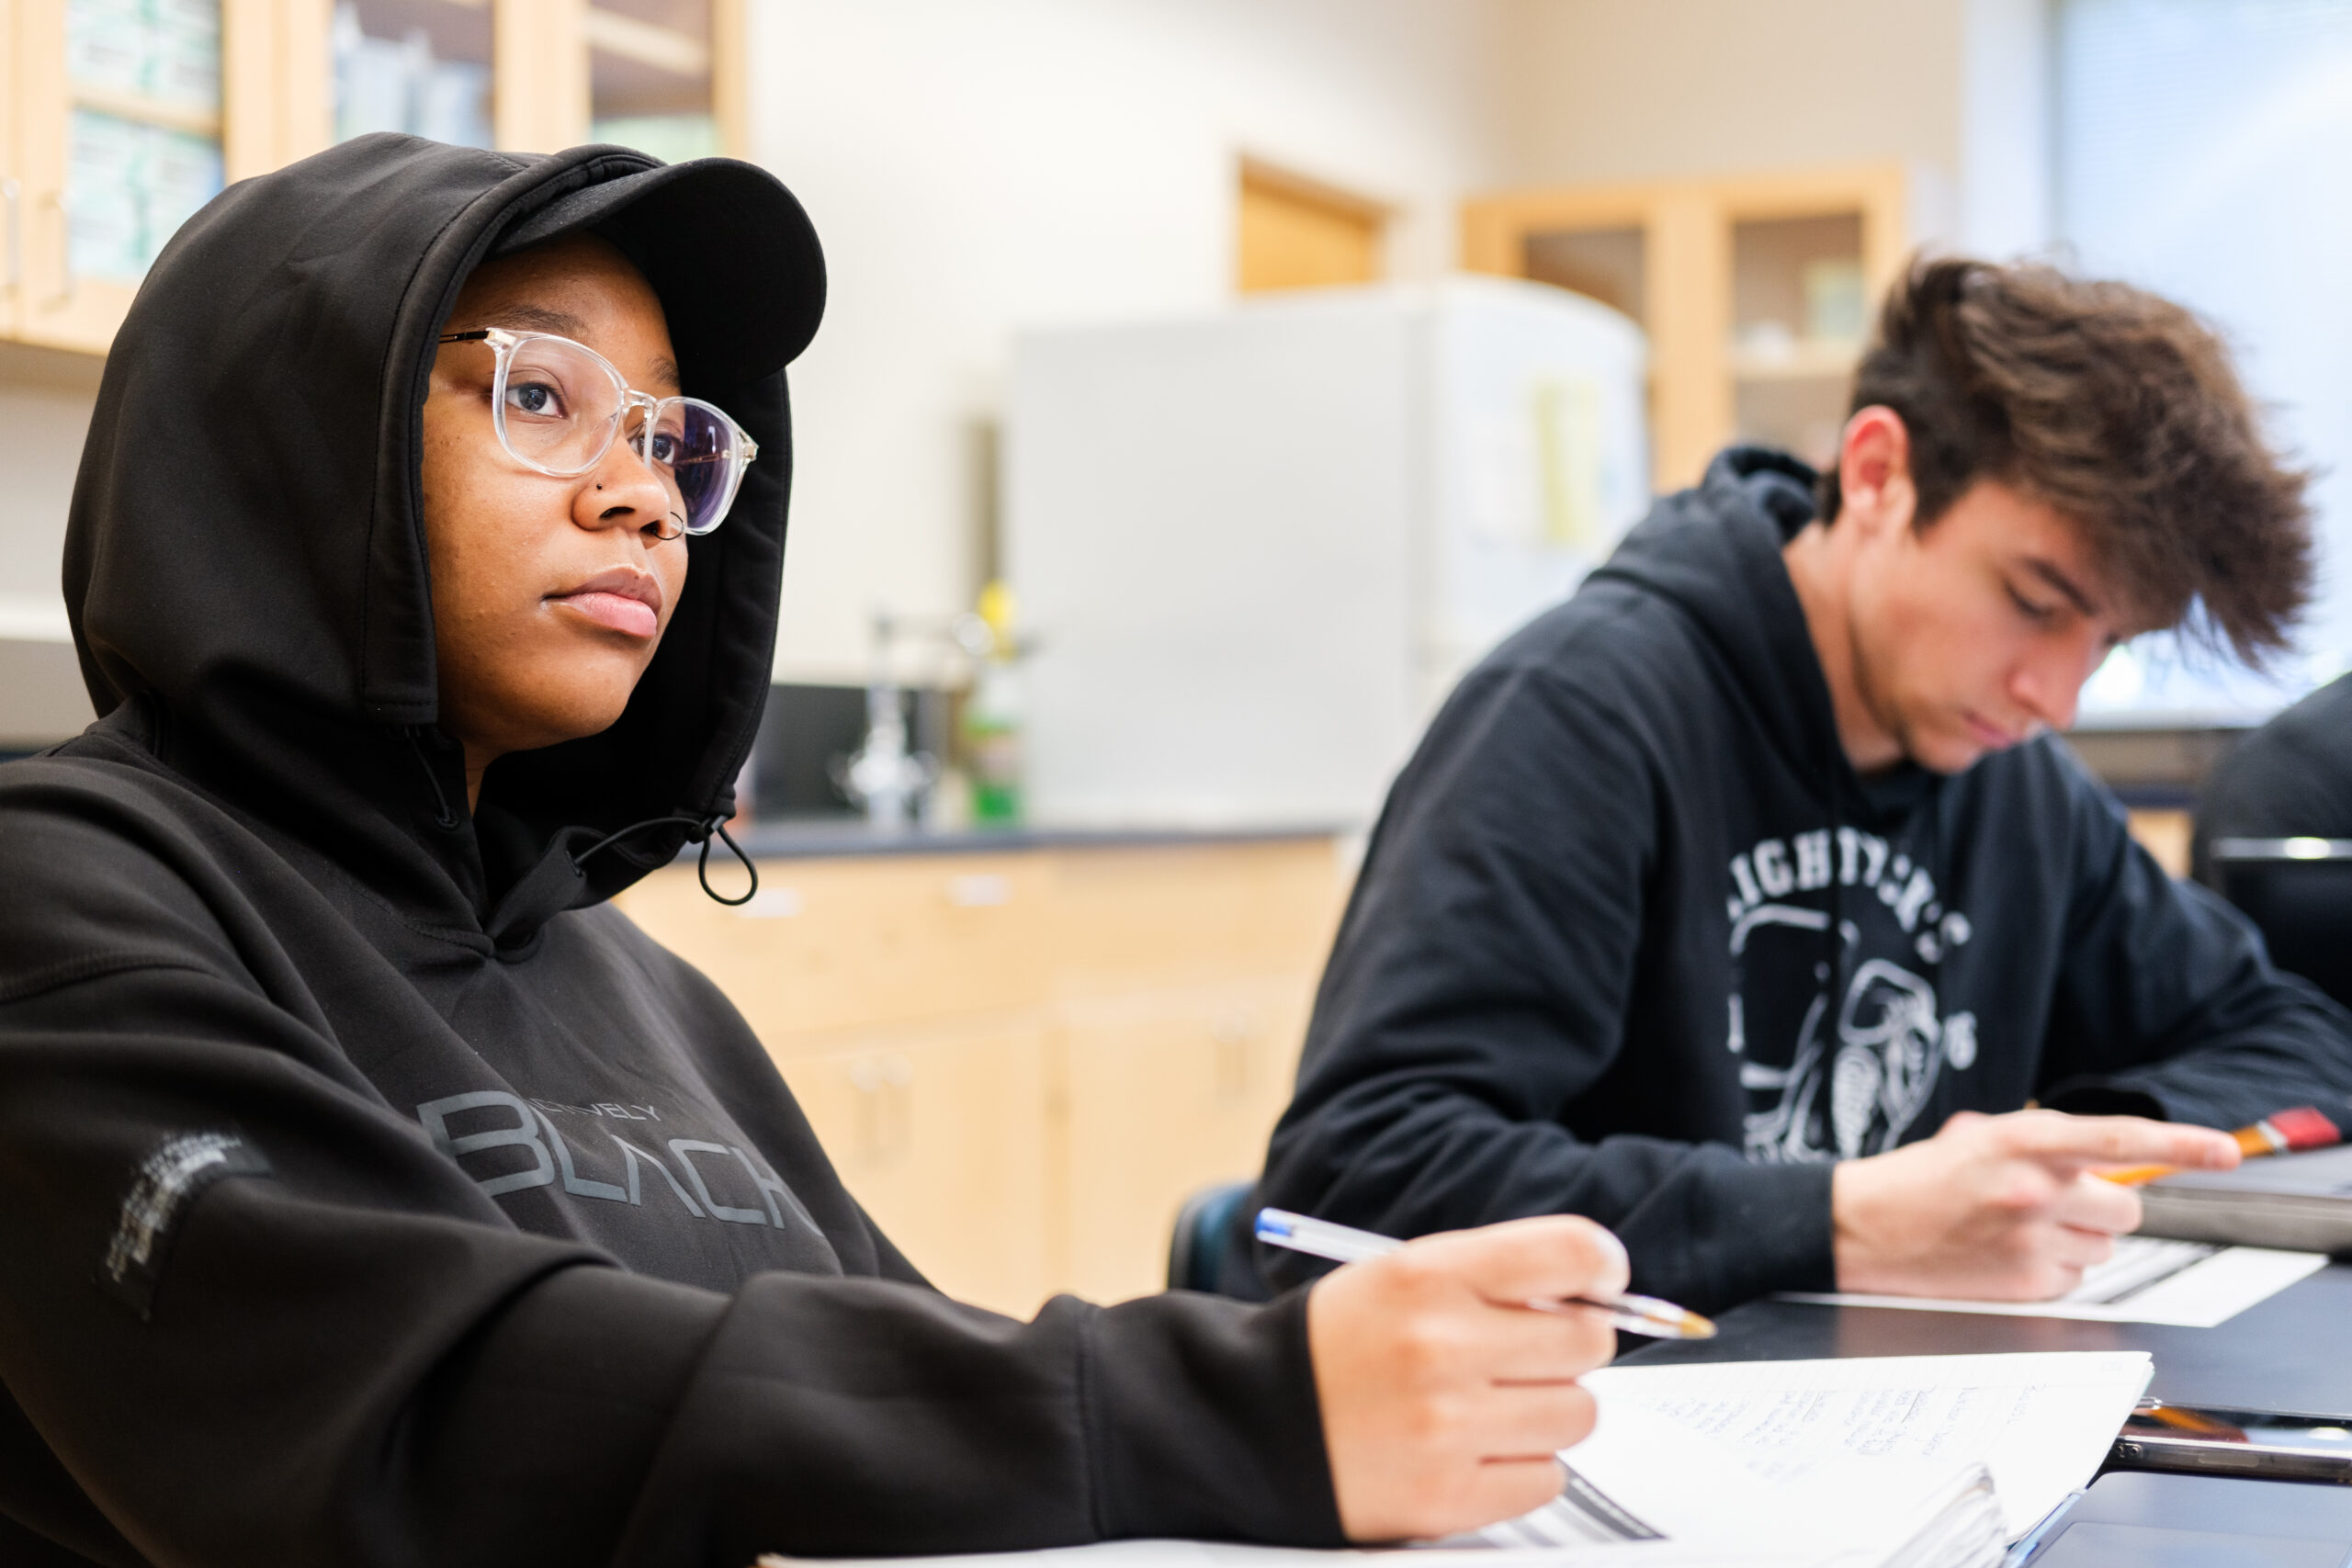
(372, 1192)
(1634, 940)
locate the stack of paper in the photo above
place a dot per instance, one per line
(1912, 1461)
(2188, 1285)
(1872, 1460)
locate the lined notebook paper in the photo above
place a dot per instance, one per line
(1910, 1461)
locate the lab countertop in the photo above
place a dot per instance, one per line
(834, 838)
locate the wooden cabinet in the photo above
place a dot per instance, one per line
(118, 119)
(1756, 292)
(942, 1134)
(1167, 1091)
(1021, 1064)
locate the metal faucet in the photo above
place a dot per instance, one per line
(885, 776)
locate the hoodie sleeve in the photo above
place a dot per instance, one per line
(2167, 1004)
(1479, 989)
(251, 1315)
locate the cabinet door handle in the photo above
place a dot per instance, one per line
(56, 203)
(12, 196)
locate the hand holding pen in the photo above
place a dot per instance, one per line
(1343, 1244)
(1444, 1399)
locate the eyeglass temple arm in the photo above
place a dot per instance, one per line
(475, 336)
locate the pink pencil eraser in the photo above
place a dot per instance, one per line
(2305, 1128)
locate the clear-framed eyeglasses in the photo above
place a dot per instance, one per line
(560, 405)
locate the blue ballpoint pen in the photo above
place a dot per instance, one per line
(1343, 1244)
(2022, 1552)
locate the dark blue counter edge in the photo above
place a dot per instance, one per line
(838, 840)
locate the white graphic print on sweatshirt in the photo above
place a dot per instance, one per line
(1844, 1075)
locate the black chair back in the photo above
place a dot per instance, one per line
(2298, 891)
(1204, 1229)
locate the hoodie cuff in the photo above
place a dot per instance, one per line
(1203, 1423)
(1775, 1231)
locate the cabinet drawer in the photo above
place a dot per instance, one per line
(829, 945)
(942, 1139)
(1121, 919)
(1167, 1093)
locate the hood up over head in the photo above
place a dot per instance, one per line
(245, 562)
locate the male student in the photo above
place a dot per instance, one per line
(371, 1190)
(1742, 901)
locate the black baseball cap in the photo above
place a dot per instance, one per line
(725, 247)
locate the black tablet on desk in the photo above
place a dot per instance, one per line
(2196, 1521)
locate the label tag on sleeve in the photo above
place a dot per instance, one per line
(168, 1181)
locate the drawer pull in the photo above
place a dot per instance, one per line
(885, 1108)
(983, 890)
(772, 904)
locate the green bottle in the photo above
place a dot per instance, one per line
(992, 715)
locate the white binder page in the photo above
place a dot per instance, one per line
(2040, 1422)
(2186, 1284)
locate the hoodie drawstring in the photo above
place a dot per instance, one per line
(443, 817)
(700, 830)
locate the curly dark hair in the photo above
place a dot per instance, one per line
(2118, 408)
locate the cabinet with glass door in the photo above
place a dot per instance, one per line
(120, 119)
(534, 76)
(1756, 292)
(118, 136)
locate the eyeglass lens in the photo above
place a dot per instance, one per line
(692, 448)
(562, 406)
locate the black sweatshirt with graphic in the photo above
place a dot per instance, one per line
(372, 1193)
(1633, 940)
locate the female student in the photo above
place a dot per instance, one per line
(371, 1191)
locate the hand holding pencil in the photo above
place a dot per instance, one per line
(2281, 1133)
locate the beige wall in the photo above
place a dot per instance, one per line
(976, 169)
(1631, 89)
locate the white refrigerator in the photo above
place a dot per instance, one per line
(1255, 549)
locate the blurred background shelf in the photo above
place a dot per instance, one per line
(1802, 360)
(1754, 290)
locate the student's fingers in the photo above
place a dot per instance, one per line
(1548, 1258)
(1446, 1336)
(1500, 1489)
(2080, 1250)
(1531, 1421)
(1512, 1344)
(2059, 1139)
(2088, 1203)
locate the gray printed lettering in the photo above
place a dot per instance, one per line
(436, 1116)
(1772, 868)
(1749, 894)
(771, 1189)
(173, 1176)
(632, 1154)
(571, 1179)
(1812, 859)
(1874, 857)
(684, 1150)
(1916, 894)
(1849, 856)
(165, 1177)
